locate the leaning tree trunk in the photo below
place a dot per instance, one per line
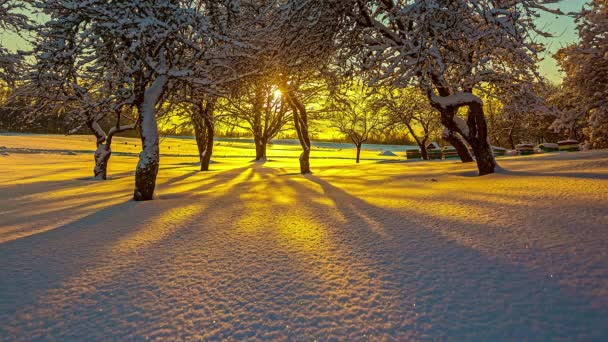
(300, 118)
(459, 145)
(147, 167)
(478, 139)
(301, 123)
(474, 131)
(421, 143)
(358, 152)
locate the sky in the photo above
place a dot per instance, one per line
(563, 29)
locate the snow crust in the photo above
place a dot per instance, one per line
(378, 251)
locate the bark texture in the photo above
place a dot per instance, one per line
(102, 157)
(149, 159)
(474, 131)
(478, 139)
(459, 145)
(104, 146)
(260, 149)
(204, 130)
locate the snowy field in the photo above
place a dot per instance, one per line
(385, 250)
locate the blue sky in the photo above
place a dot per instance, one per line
(563, 28)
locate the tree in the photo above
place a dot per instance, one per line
(59, 82)
(13, 20)
(586, 67)
(203, 121)
(152, 45)
(351, 112)
(260, 108)
(524, 114)
(449, 48)
(409, 108)
(192, 108)
(298, 37)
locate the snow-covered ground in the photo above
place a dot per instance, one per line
(378, 251)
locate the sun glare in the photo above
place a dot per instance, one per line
(277, 94)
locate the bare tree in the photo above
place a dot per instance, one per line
(61, 81)
(260, 108)
(408, 108)
(189, 107)
(298, 38)
(351, 111)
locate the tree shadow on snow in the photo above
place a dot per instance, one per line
(37, 263)
(462, 289)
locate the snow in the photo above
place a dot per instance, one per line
(433, 146)
(550, 145)
(149, 129)
(380, 251)
(387, 154)
(456, 100)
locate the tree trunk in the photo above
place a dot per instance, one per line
(199, 135)
(104, 151)
(358, 152)
(421, 143)
(485, 158)
(511, 141)
(459, 145)
(204, 130)
(478, 139)
(102, 157)
(305, 162)
(147, 167)
(260, 149)
(300, 118)
(423, 152)
(476, 132)
(206, 154)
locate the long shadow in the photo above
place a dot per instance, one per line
(34, 264)
(583, 175)
(465, 292)
(150, 268)
(204, 264)
(180, 178)
(206, 183)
